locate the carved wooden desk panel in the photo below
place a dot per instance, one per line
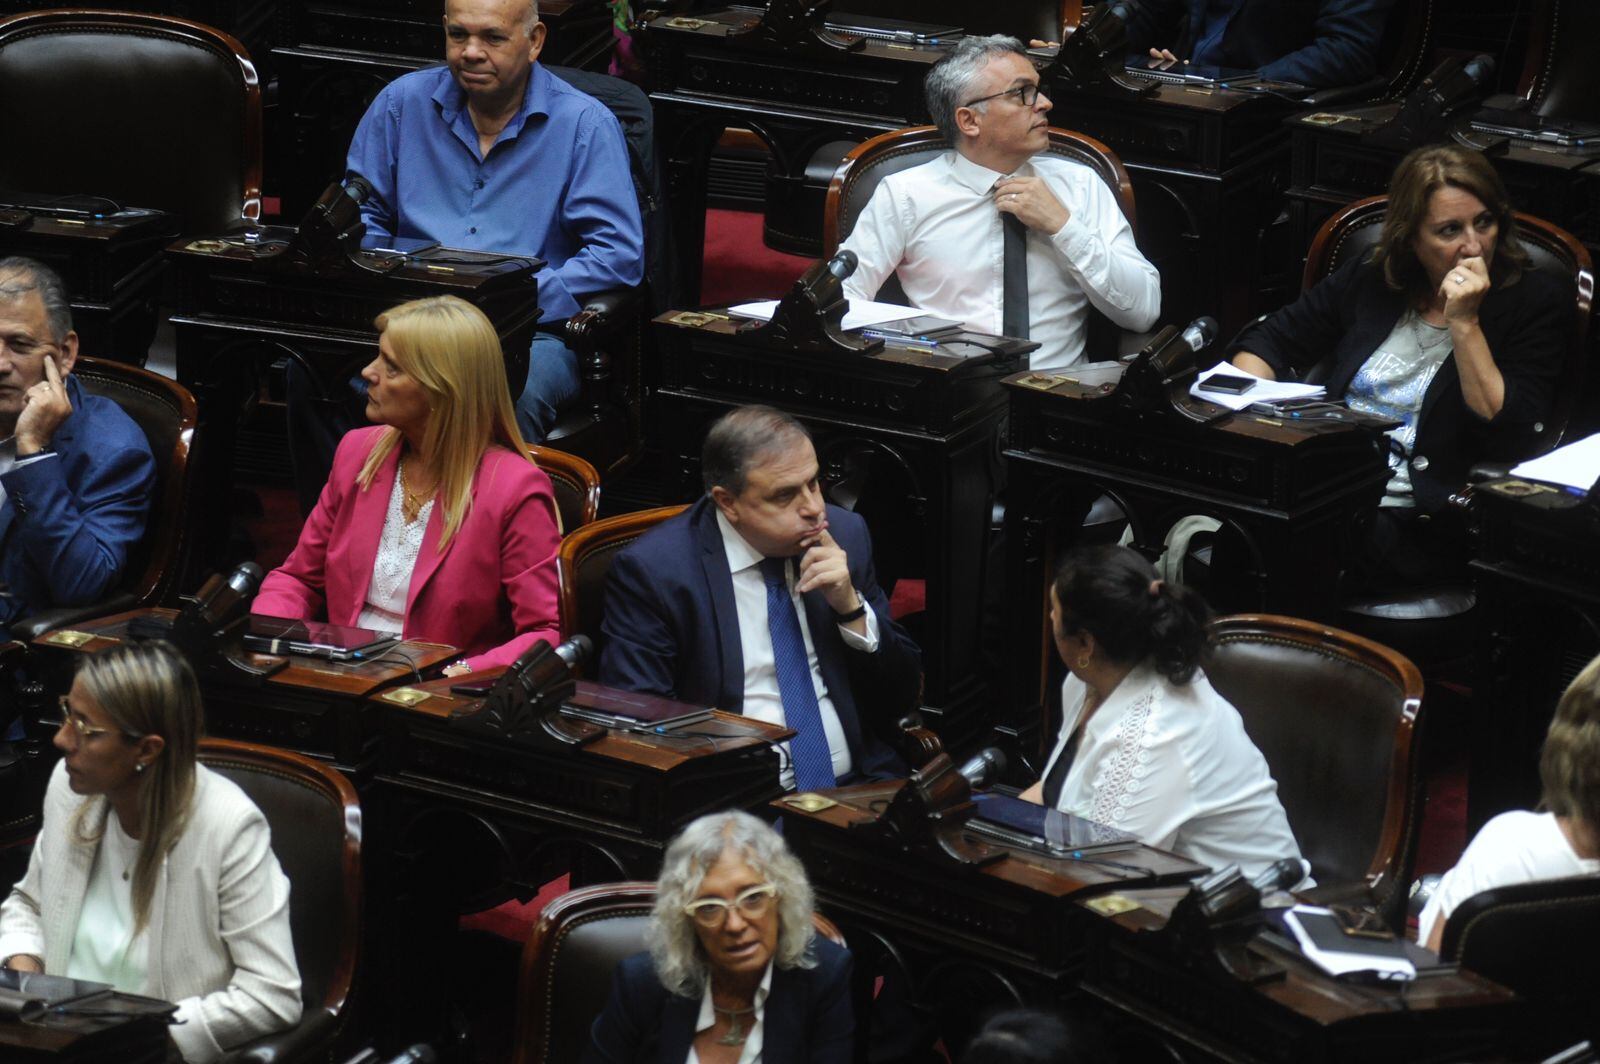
(904, 437)
(1288, 490)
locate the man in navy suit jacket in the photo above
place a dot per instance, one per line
(75, 471)
(1317, 43)
(686, 607)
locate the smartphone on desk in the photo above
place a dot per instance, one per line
(1230, 383)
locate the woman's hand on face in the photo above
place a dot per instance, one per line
(1463, 289)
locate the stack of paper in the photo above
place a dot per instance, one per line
(1265, 391)
(1327, 945)
(862, 313)
(1577, 465)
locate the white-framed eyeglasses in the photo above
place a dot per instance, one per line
(753, 903)
(81, 727)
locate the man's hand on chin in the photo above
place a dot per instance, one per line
(46, 407)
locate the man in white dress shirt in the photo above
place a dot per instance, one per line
(761, 599)
(940, 226)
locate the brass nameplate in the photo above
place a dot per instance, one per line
(1042, 381)
(67, 637)
(696, 319)
(1112, 904)
(681, 23)
(1329, 118)
(208, 247)
(1519, 489)
(808, 803)
(405, 696)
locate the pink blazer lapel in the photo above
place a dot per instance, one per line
(429, 558)
(365, 530)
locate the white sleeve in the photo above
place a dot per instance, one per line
(1145, 786)
(1482, 867)
(867, 644)
(264, 993)
(1098, 251)
(879, 242)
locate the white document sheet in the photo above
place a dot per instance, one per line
(1265, 391)
(1364, 955)
(1577, 465)
(862, 314)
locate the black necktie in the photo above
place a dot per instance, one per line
(1014, 304)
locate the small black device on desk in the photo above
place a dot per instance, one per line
(1231, 383)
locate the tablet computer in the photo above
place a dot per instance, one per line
(317, 639)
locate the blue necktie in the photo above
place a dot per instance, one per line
(808, 750)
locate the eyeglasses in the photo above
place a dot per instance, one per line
(81, 727)
(1025, 94)
(753, 903)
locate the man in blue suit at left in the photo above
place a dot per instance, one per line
(75, 471)
(761, 599)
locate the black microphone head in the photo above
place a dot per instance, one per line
(984, 767)
(246, 577)
(843, 264)
(1201, 332)
(357, 188)
(575, 651)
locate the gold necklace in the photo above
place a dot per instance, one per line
(411, 502)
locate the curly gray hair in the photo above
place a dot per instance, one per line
(949, 83)
(675, 946)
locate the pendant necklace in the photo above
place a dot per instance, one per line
(736, 1030)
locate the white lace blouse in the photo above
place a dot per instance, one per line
(398, 547)
(1172, 765)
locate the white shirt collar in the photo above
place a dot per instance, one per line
(741, 555)
(708, 1015)
(979, 178)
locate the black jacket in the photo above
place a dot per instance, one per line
(1340, 323)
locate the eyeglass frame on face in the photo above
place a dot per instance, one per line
(1019, 91)
(82, 728)
(768, 892)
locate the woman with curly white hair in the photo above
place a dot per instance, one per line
(735, 973)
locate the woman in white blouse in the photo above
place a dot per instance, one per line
(151, 872)
(1146, 744)
(1561, 840)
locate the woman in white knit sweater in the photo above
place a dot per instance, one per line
(151, 872)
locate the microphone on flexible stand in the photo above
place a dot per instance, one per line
(1424, 116)
(1168, 357)
(1281, 875)
(811, 316)
(984, 767)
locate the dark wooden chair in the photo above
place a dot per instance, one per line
(1435, 623)
(889, 153)
(315, 819)
(1539, 939)
(585, 562)
(147, 110)
(1560, 78)
(166, 411)
(1335, 716)
(575, 483)
(567, 963)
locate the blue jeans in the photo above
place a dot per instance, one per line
(316, 424)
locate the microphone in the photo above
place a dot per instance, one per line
(1281, 875)
(1423, 115)
(843, 264)
(823, 283)
(358, 189)
(984, 767)
(1199, 333)
(575, 651)
(218, 598)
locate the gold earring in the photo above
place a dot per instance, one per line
(1083, 662)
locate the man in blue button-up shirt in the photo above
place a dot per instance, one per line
(493, 153)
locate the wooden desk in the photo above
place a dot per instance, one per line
(710, 71)
(1209, 167)
(1024, 930)
(112, 268)
(1305, 1017)
(246, 304)
(1289, 489)
(318, 708)
(1538, 579)
(906, 434)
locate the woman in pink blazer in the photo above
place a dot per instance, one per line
(434, 522)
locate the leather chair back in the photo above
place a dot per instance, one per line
(1539, 939)
(568, 962)
(1560, 78)
(575, 483)
(889, 153)
(315, 819)
(146, 110)
(1335, 716)
(166, 412)
(1354, 231)
(585, 562)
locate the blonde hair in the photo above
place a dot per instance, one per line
(148, 689)
(449, 347)
(1569, 764)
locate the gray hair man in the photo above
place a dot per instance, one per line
(75, 471)
(997, 232)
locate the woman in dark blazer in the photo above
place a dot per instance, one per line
(1445, 327)
(735, 973)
